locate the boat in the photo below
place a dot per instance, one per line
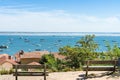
(1, 50)
(114, 41)
(26, 40)
(59, 40)
(37, 49)
(3, 47)
(42, 40)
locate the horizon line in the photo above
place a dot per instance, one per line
(50, 32)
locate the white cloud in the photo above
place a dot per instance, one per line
(113, 20)
(89, 18)
(55, 21)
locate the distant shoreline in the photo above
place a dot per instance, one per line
(61, 33)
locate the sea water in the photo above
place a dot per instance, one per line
(50, 41)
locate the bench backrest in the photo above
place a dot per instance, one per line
(30, 73)
(22, 66)
(98, 66)
(107, 62)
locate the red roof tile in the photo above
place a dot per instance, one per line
(57, 55)
(35, 54)
(8, 60)
(5, 55)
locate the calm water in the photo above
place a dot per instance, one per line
(51, 42)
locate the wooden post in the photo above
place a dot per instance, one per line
(87, 69)
(114, 66)
(44, 71)
(118, 64)
(16, 78)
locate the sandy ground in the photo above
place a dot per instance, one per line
(77, 75)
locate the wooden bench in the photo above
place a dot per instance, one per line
(25, 70)
(99, 65)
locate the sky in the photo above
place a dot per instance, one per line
(60, 15)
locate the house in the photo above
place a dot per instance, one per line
(6, 62)
(58, 56)
(34, 63)
(34, 57)
(28, 57)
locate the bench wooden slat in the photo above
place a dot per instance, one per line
(30, 74)
(112, 62)
(28, 66)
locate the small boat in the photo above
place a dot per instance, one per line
(37, 49)
(1, 50)
(26, 40)
(38, 45)
(3, 47)
(41, 40)
(59, 40)
(21, 37)
(114, 41)
(104, 40)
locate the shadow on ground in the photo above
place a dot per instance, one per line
(92, 75)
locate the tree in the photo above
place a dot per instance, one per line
(83, 50)
(113, 52)
(88, 46)
(50, 61)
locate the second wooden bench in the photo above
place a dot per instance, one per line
(99, 65)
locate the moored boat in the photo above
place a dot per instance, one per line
(3, 46)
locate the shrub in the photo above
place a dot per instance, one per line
(4, 71)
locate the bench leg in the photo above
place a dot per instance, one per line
(86, 75)
(44, 71)
(16, 78)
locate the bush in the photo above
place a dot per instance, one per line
(67, 69)
(10, 71)
(3, 71)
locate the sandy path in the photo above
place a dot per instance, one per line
(78, 75)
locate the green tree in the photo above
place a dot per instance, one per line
(72, 56)
(113, 52)
(84, 49)
(50, 61)
(88, 46)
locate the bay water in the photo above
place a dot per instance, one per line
(50, 41)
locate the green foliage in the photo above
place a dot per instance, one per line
(60, 64)
(84, 50)
(113, 52)
(88, 47)
(52, 63)
(11, 71)
(49, 60)
(88, 43)
(4, 71)
(72, 59)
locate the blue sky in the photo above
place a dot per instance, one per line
(60, 15)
